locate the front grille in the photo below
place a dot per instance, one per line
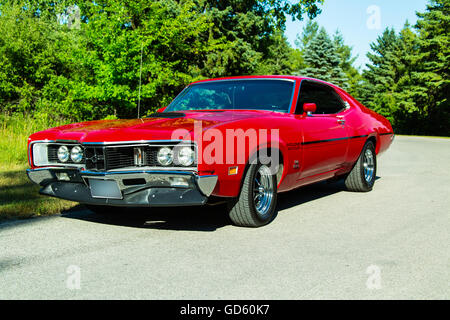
(94, 158)
(117, 157)
(120, 157)
(52, 153)
(151, 156)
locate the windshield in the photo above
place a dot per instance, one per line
(257, 94)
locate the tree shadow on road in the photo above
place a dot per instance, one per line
(206, 218)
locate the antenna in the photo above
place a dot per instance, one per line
(140, 82)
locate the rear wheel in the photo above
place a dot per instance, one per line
(362, 177)
(256, 204)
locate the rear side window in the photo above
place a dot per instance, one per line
(325, 98)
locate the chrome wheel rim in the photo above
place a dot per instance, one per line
(263, 190)
(369, 165)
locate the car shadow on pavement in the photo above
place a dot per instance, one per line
(206, 218)
(309, 193)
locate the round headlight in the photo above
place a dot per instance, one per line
(165, 156)
(76, 154)
(186, 156)
(63, 154)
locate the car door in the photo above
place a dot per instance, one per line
(324, 134)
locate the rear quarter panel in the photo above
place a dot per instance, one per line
(361, 121)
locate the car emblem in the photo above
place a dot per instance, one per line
(138, 157)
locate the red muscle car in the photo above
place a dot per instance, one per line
(241, 140)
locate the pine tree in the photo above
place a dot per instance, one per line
(407, 80)
(281, 58)
(432, 75)
(309, 32)
(248, 32)
(406, 112)
(323, 60)
(347, 61)
(380, 77)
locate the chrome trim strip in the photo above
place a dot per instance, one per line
(152, 168)
(106, 173)
(292, 97)
(295, 103)
(139, 142)
(242, 79)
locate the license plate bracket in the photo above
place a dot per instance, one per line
(105, 189)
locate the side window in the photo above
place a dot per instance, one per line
(325, 98)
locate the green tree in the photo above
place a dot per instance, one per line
(347, 61)
(407, 79)
(405, 111)
(93, 70)
(381, 75)
(387, 86)
(249, 33)
(323, 61)
(34, 57)
(431, 76)
(309, 32)
(281, 58)
(169, 35)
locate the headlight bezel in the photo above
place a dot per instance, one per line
(44, 153)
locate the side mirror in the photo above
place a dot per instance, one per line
(309, 108)
(161, 109)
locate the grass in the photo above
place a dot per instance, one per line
(19, 197)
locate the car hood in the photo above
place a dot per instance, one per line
(152, 128)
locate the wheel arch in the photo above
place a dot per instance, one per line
(254, 156)
(373, 138)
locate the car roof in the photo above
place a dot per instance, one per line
(295, 78)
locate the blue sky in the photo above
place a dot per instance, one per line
(358, 26)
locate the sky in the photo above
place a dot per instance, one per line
(361, 21)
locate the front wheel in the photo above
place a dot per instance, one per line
(362, 177)
(256, 204)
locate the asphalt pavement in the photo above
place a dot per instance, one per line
(326, 243)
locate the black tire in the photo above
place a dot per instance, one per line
(357, 180)
(242, 211)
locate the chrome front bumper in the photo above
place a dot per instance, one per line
(137, 188)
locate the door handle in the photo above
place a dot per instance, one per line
(341, 121)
